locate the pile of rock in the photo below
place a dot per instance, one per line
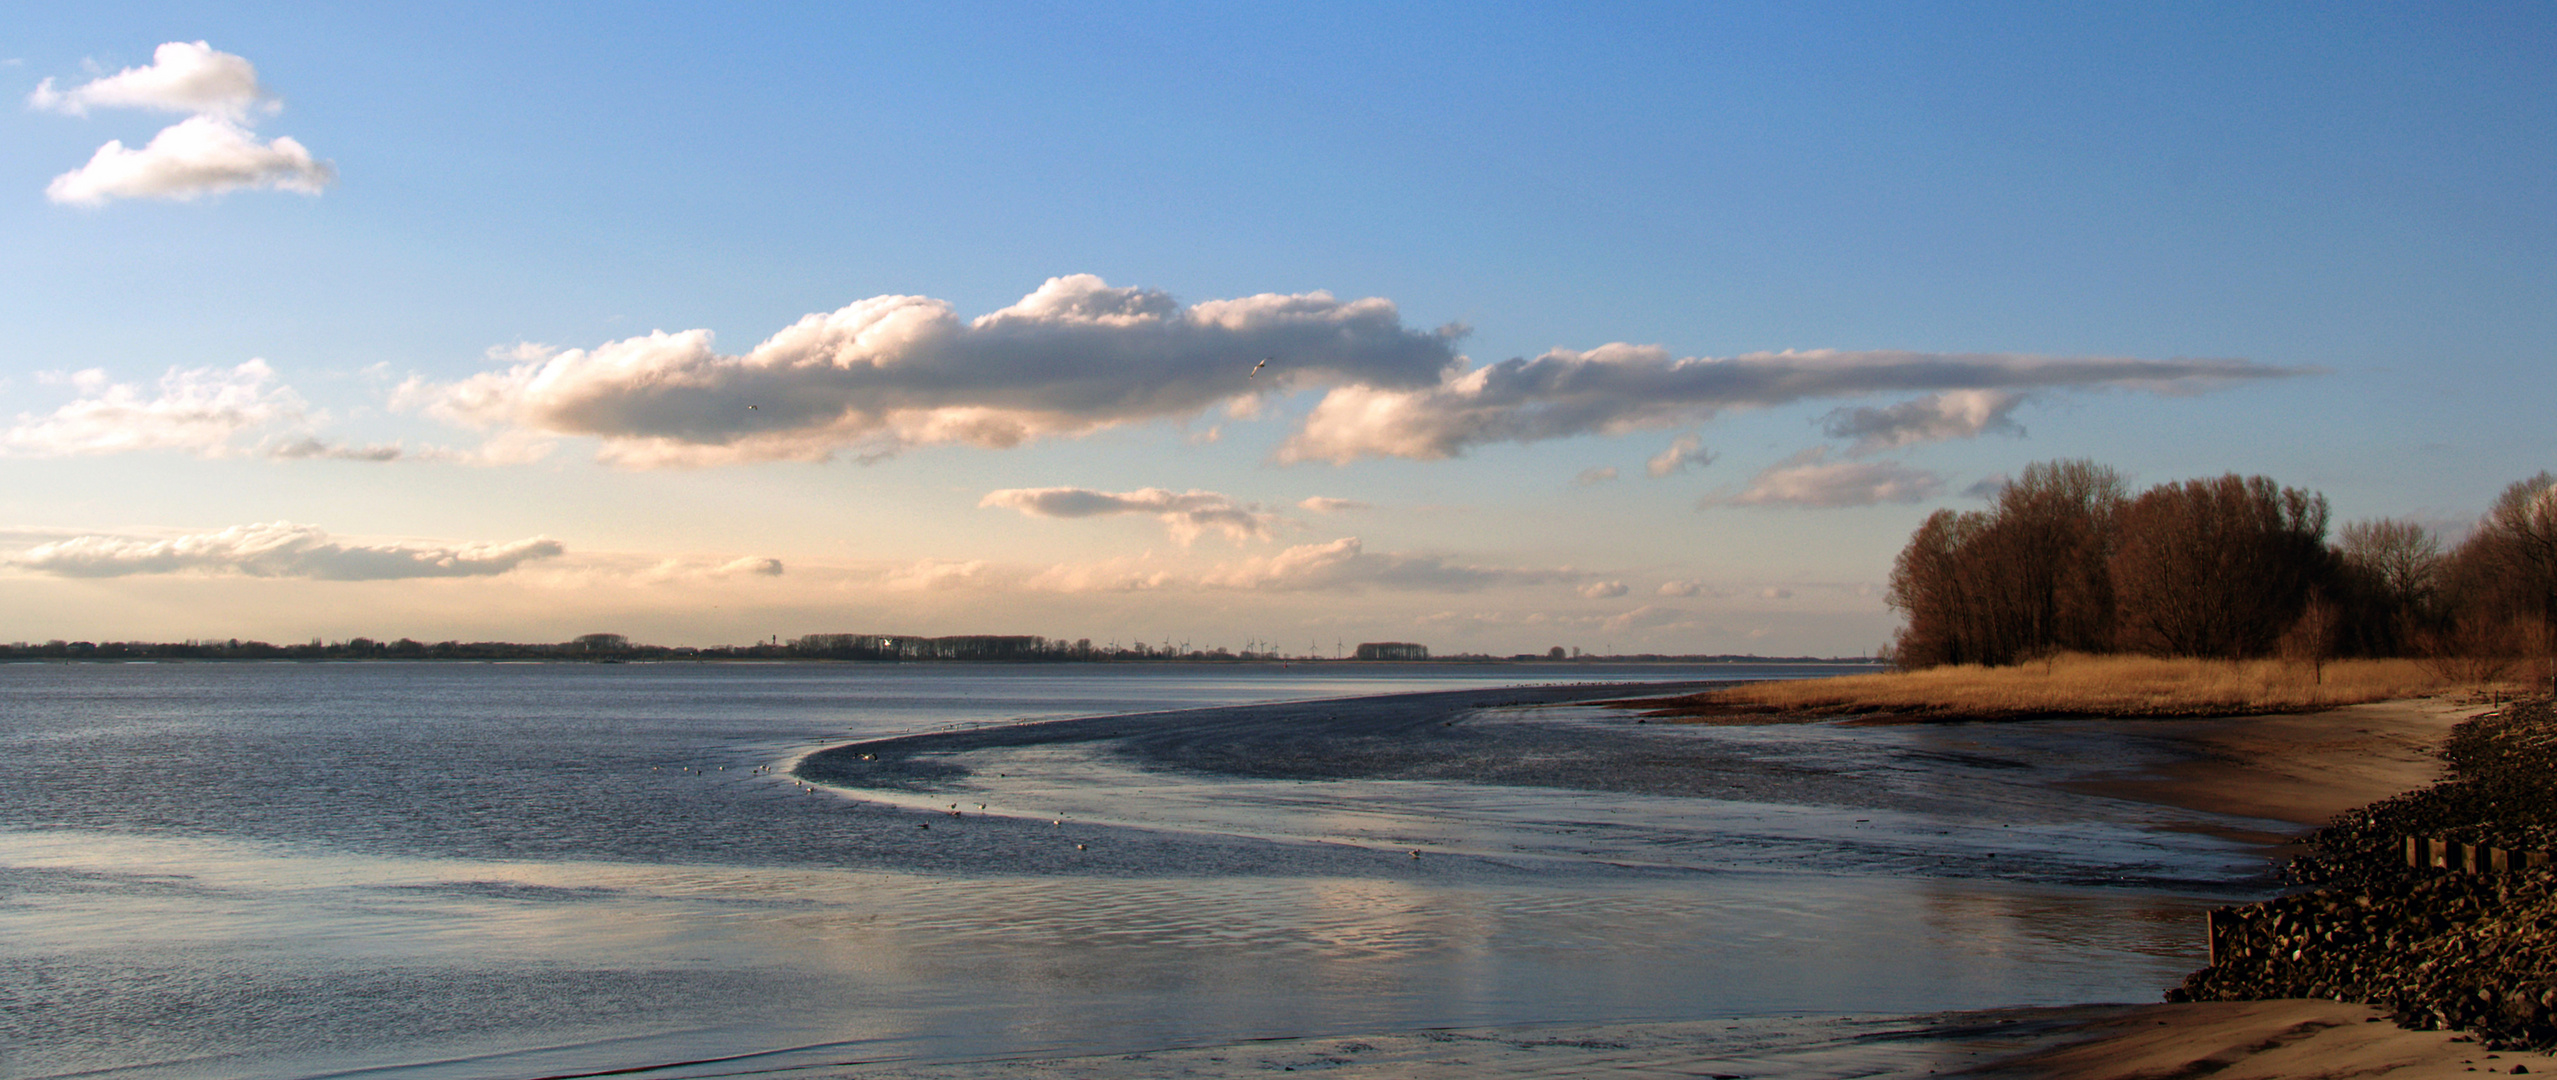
(2438, 948)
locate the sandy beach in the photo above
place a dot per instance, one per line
(2291, 772)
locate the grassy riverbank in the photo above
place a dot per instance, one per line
(2075, 685)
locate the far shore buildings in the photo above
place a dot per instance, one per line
(1392, 650)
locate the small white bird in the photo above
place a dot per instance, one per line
(1256, 368)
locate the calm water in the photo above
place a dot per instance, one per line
(434, 871)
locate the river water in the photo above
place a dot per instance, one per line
(525, 870)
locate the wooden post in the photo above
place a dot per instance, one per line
(2212, 928)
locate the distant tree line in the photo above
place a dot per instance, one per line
(880, 648)
(2067, 559)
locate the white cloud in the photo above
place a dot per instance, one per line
(198, 410)
(1775, 592)
(1687, 451)
(1594, 476)
(210, 152)
(1346, 565)
(183, 77)
(1810, 479)
(1186, 514)
(750, 566)
(1076, 356)
(1954, 414)
(1620, 388)
(1681, 588)
(279, 550)
(1603, 590)
(200, 155)
(1325, 505)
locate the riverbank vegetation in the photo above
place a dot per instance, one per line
(2070, 596)
(2077, 684)
(2067, 559)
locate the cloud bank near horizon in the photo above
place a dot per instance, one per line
(1079, 355)
(279, 549)
(210, 152)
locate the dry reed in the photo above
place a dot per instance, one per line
(2076, 685)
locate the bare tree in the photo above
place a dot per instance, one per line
(2391, 583)
(2218, 567)
(2025, 578)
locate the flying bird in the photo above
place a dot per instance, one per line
(1256, 368)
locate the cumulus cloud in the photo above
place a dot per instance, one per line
(1775, 592)
(279, 550)
(1687, 451)
(1604, 590)
(1186, 514)
(1620, 388)
(1595, 476)
(890, 372)
(199, 410)
(184, 77)
(1681, 588)
(197, 156)
(1954, 414)
(210, 152)
(1346, 565)
(750, 566)
(1326, 505)
(1810, 479)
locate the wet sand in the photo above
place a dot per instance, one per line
(2294, 769)
(2301, 768)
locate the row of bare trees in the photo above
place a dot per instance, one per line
(2068, 560)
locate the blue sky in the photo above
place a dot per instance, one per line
(2310, 242)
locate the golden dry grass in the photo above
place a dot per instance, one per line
(2090, 686)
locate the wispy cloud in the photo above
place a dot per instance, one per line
(1810, 479)
(313, 448)
(210, 152)
(1346, 565)
(1326, 505)
(891, 372)
(1186, 514)
(198, 410)
(1604, 590)
(1954, 414)
(279, 550)
(1688, 451)
(1592, 477)
(1620, 388)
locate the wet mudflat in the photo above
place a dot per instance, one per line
(523, 871)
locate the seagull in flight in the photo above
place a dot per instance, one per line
(1256, 368)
